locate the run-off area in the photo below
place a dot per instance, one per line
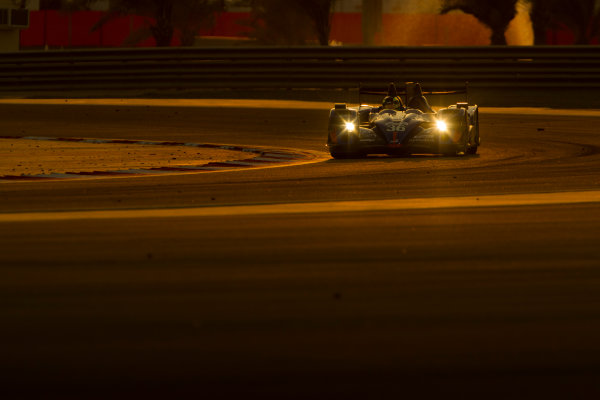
(35, 157)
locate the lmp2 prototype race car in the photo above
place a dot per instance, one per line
(396, 129)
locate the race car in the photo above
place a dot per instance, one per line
(399, 129)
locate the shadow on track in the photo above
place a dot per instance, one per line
(415, 158)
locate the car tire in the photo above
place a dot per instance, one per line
(476, 140)
(472, 150)
(472, 147)
(345, 154)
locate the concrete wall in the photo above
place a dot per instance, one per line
(9, 36)
(9, 40)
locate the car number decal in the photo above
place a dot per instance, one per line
(396, 127)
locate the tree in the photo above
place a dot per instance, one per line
(275, 22)
(582, 17)
(292, 22)
(495, 14)
(192, 15)
(66, 5)
(50, 4)
(372, 11)
(319, 11)
(187, 15)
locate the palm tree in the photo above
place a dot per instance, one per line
(186, 15)
(191, 15)
(66, 5)
(582, 17)
(292, 22)
(50, 4)
(275, 22)
(495, 14)
(319, 11)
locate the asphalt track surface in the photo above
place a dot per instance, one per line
(421, 277)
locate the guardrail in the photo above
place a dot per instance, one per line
(301, 67)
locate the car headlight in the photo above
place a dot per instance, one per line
(350, 126)
(441, 125)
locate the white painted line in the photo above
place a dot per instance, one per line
(36, 138)
(57, 175)
(275, 155)
(242, 163)
(192, 168)
(358, 207)
(140, 171)
(278, 160)
(94, 141)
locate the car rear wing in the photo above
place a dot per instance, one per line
(393, 92)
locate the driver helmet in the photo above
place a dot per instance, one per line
(393, 103)
(388, 103)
